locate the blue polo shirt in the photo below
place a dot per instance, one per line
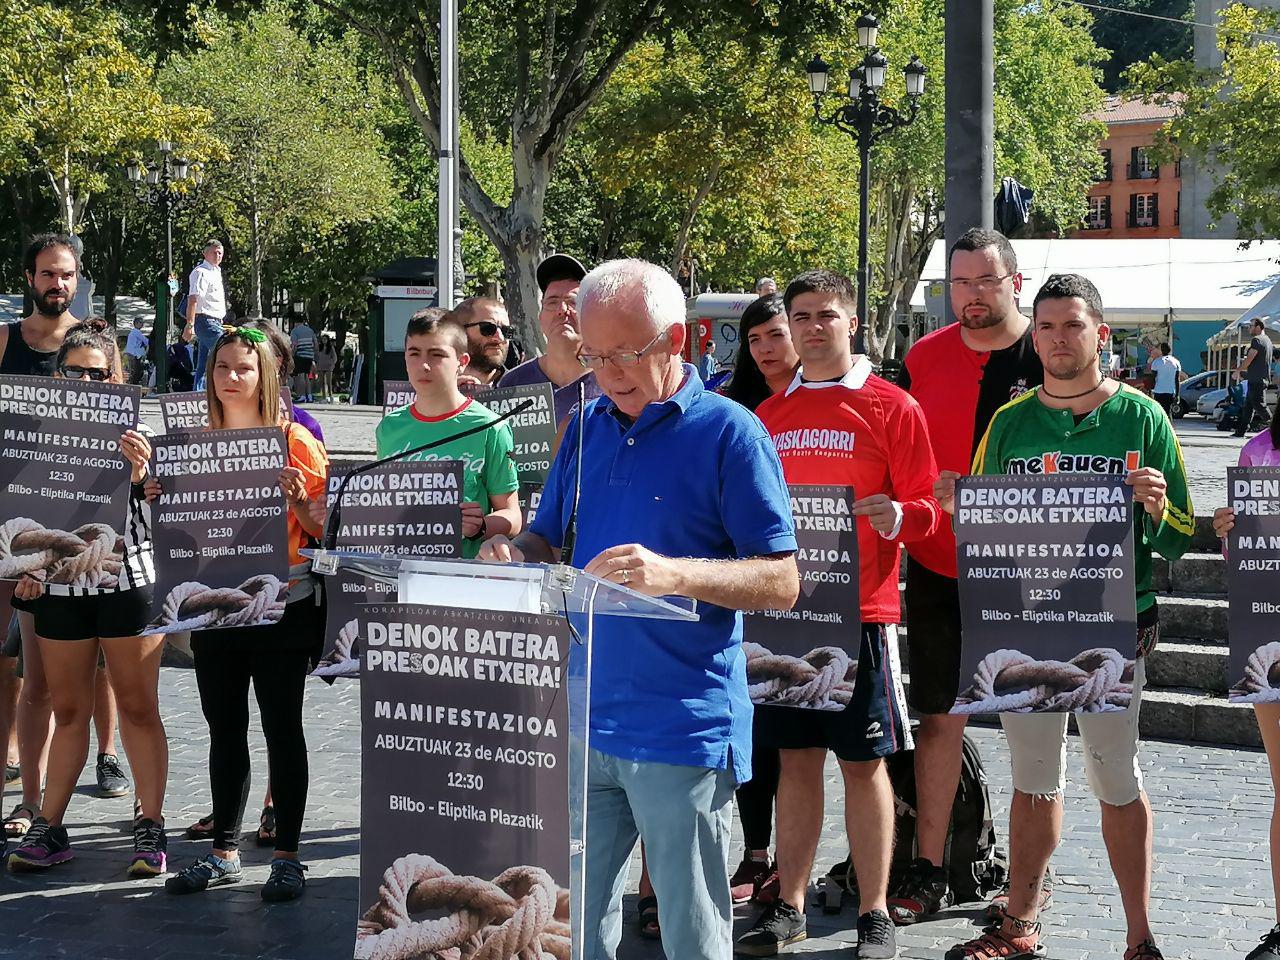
(694, 476)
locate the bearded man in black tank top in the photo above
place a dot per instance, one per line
(29, 346)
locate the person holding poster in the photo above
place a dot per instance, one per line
(838, 423)
(960, 375)
(1080, 421)
(73, 622)
(243, 389)
(1263, 451)
(670, 723)
(435, 353)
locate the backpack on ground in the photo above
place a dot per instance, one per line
(976, 865)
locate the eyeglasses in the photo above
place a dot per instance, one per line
(489, 329)
(626, 358)
(979, 284)
(79, 373)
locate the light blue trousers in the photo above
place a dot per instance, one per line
(683, 814)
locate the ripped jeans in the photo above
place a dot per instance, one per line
(1038, 746)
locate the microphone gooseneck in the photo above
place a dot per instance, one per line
(335, 517)
(571, 531)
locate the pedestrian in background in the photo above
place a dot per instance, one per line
(206, 307)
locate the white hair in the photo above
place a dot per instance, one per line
(616, 280)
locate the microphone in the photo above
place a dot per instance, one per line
(335, 518)
(571, 531)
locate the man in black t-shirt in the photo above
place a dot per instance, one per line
(1254, 369)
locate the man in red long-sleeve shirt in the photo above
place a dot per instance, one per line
(838, 423)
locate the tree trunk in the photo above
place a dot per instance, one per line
(518, 236)
(686, 223)
(257, 257)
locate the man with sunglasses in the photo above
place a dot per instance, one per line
(559, 277)
(488, 338)
(681, 494)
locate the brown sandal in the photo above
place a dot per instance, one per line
(17, 824)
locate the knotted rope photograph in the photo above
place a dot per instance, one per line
(1261, 680)
(341, 661)
(521, 913)
(820, 680)
(1009, 681)
(195, 606)
(89, 556)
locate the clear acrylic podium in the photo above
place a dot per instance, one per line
(553, 590)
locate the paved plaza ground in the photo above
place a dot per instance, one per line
(1211, 896)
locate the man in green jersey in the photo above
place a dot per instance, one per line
(435, 352)
(1082, 422)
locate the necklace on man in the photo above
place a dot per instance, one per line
(1071, 396)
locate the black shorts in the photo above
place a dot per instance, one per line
(933, 639)
(872, 725)
(121, 614)
(303, 365)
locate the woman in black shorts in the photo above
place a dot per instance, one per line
(72, 624)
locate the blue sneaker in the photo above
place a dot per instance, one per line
(200, 876)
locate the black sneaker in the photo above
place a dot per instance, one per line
(922, 893)
(111, 779)
(876, 938)
(200, 876)
(44, 846)
(1269, 948)
(778, 927)
(286, 882)
(150, 849)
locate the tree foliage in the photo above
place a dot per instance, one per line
(1229, 116)
(1132, 39)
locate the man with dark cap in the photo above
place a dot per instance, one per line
(559, 276)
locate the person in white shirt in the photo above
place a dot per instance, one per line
(1168, 373)
(206, 307)
(135, 352)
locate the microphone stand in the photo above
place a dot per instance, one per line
(335, 517)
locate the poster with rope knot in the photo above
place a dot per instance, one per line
(464, 839)
(1253, 574)
(807, 657)
(219, 528)
(1047, 600)
(405, 509)
(64, 479)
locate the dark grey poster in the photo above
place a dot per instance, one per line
(530, 497)
(65, 481)
(808, 656)
(396, 394)
(219, 528)
(185, 412)
(1253, 573)
(406, 509)
(533, 430)
(1047, 599)
(464, 793)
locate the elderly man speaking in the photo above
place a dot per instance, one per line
(682, 494)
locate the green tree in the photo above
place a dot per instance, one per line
(530, 73)
(1132, 39)
(298, 120)
(76, 103)
(1230, 117)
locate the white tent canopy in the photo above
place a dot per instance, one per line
(1146, 280)
(1268, 308)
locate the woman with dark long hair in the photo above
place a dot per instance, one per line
(766, 361)
(1264, 451)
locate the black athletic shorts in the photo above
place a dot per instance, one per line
(303, 365)
(874, 724)
(933, 639)
(120, 614)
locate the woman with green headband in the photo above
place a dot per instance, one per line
(243, 388)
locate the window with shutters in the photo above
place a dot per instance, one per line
(1141, 166)
(1099, 217)
(1105, 176)
(1145, 210)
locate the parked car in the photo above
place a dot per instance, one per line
(1193, 388)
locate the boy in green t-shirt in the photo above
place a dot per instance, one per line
(1083, 422)
(435, 351)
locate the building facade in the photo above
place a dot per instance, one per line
(1135, 196)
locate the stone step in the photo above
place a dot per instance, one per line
(1174, 713)
(1201, 574)
(1204, 540)
(1199, 619)
(1194, 666)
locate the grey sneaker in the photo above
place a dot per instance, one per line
(203, 874)
(111, 779)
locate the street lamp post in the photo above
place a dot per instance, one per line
(864, 117)
(156, 184)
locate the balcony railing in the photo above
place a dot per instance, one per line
(1142, 171)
